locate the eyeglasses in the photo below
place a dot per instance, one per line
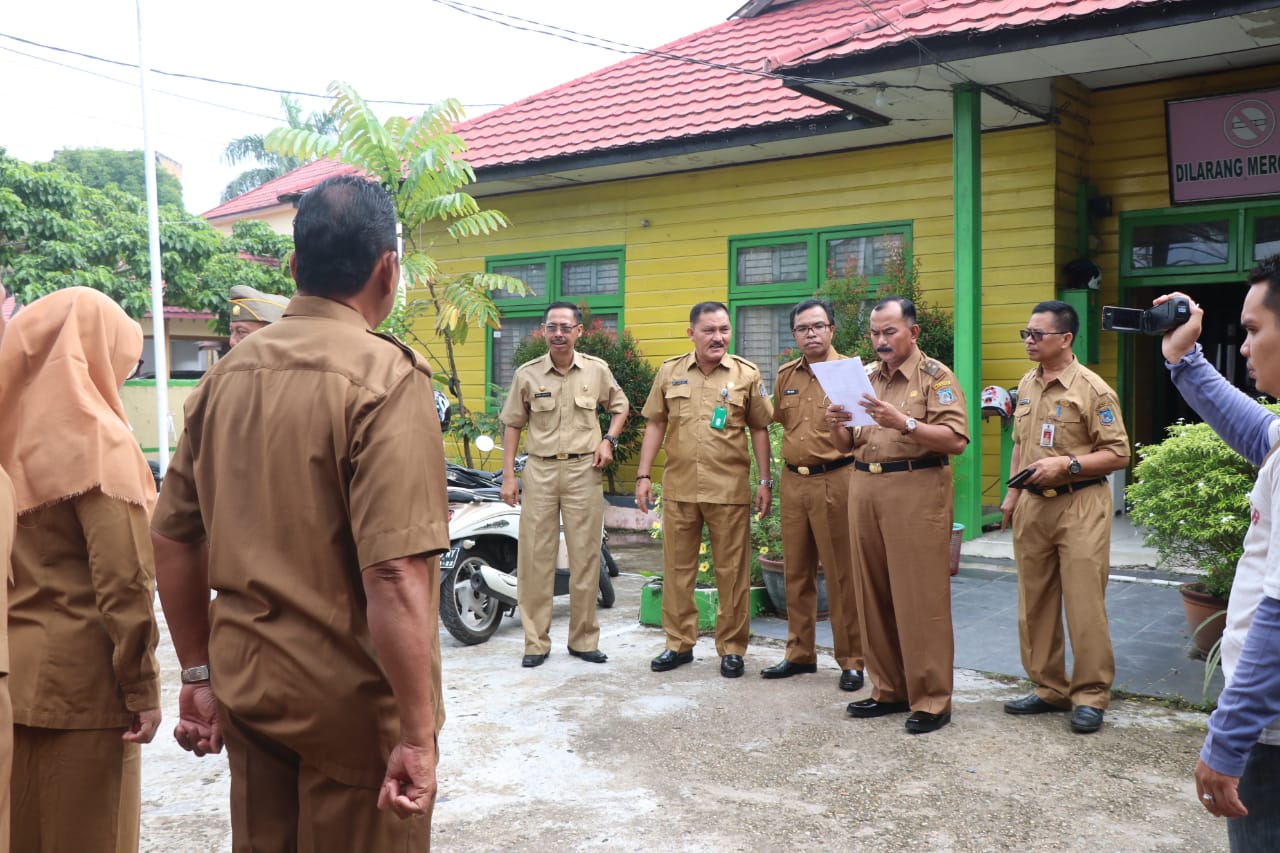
(817, 328)
(562, 328)
(1036, 333)
(137, 368)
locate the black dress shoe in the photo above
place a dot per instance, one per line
(731, 666)
(922, 722)
(1031, 704)
(786, 669)
(670, 660)
(533, 660)
(851, 680)
(593, 656)
(875, 708)
(1086, 719)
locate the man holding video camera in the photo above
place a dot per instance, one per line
(1068, 436)
(1238, 774)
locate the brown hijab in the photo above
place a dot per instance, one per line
(63, 430)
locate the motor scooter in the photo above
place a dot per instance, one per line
(478, 574)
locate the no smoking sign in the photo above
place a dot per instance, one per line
(1249, 123)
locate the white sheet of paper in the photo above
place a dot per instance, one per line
(844, 382)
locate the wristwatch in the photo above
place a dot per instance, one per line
(195, 674)
(1074, 467)
(768, 483)
(612, 439)
(910, 427)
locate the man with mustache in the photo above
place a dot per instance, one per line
(703, 404)
(900, 510)
(1068, 433)
(556, 395)
(815, 509)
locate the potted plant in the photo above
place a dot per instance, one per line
(1191, 495)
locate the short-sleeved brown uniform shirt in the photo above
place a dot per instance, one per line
(799, 404)
(311, 452)
(1078, 408)
(924, 389)
(703, 463)
(82, 623)
(560, 409)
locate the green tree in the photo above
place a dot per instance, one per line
(101, 168)
(630, 368)
(55, 232)
(271, 164)
(853, 296)
(420, 162)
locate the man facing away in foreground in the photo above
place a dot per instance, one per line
(312, 468)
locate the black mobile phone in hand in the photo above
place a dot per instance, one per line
(1018, 480)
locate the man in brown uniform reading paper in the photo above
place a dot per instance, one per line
(556, 396)
(1067, 430)
(900, 511)
(703, 404)
(312, 465)
(815, 512)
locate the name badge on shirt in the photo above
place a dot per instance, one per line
(788, 392)
(679, 381)
(1046, 435)
(719, 416)
(542, 394)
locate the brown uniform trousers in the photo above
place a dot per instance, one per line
(83, 787)
(281, 803)
(555, 489)
(1062, 544)
(815, 520)
(1063, 548)
(903, 524)
(900, 522)
(730, 529)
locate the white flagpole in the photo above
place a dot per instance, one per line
(158, 338)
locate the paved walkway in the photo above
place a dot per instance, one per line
(1148, 628)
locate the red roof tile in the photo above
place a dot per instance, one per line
(882, 23)
(268, 195)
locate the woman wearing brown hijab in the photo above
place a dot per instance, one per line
(82, 631)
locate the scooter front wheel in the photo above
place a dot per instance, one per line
(606, 597)
(470, 616)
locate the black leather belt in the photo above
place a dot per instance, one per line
(1054, 491)
(811, 470)
(564, 456)
(904, 465)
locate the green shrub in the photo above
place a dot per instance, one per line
(1191, 494)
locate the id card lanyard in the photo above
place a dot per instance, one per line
(720, 414)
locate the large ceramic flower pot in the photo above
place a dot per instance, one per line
(776, 586)
(1206, 616)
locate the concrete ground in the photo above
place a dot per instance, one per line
(574, 756)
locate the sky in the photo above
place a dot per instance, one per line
(418, 52)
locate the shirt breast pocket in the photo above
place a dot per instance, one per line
(542, 404)
(1072, 433)
(678, 402)
(584, 415)
(736, 404)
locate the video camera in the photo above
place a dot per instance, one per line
(1152, 321)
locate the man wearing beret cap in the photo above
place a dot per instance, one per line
(252, 310)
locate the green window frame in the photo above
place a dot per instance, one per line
(760, 304)
(576, 276)
(1241, 222)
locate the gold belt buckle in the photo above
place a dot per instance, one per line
(1049, 493)
(875, 468)
(562, 455)
(802, 470)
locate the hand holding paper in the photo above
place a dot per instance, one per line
(845, 383)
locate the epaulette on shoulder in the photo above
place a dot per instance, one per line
(529, 362)
(791, 365)
(416, 360)
(675, 358)
(930, 367)
(594, 358)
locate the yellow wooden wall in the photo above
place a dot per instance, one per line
(682, 255)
